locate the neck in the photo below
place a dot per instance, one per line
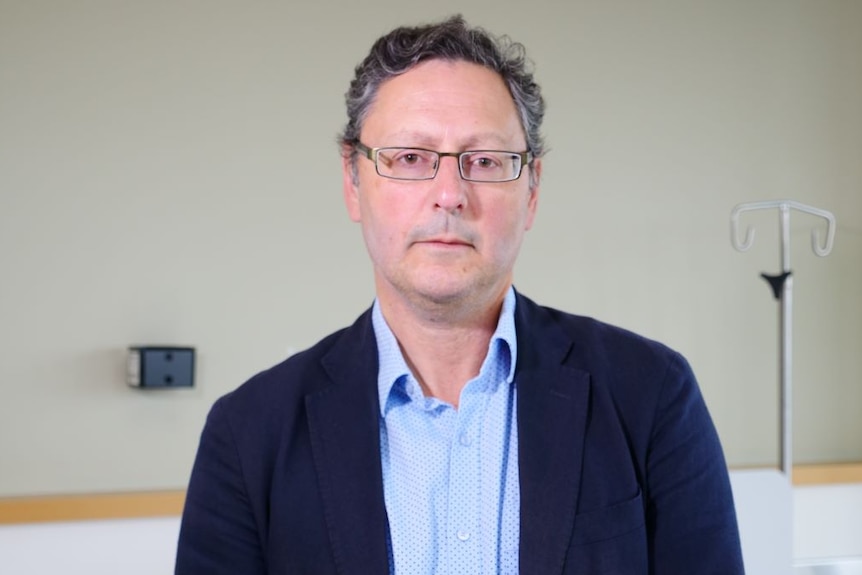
(444, 348)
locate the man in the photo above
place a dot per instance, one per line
(458, 427)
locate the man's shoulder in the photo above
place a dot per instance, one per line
(626, 370)
(589, 333)
(618, 360)
(304, 372)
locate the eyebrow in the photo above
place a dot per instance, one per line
(481, 141)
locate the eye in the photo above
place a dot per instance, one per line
(406, 163)
(484, 161)
(412, 157)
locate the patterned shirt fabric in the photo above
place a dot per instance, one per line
(450, 476)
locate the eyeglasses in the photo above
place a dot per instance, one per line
(421, 164)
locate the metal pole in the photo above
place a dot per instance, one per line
(782, 289)
(786, 326)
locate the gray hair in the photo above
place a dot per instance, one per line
(452, 39)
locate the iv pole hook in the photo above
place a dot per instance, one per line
(743, 245)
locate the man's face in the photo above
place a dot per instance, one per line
(444, 240)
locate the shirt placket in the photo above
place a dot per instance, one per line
(463, 536)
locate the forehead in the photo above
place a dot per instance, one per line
(444, 102)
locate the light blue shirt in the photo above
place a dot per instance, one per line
(450, 477)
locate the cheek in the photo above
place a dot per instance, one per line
(381, 227)
(506, 230)
(511, 219)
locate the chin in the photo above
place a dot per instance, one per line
(465, 290)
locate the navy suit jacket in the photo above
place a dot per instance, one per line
(621, 470)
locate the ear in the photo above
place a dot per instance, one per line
(533, 199)
(350, 186)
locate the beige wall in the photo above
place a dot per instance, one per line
(168, 174)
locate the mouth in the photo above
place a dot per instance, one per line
(446, 242)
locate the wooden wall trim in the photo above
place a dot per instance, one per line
(170, 503)
(87, 507)
(827, 474)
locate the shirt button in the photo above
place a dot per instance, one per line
(464, 439)
(463, 535)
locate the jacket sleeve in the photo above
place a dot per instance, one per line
(218, 532)
(691, 518)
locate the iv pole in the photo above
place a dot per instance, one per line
(782, 289)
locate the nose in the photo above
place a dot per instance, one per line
(450, 189)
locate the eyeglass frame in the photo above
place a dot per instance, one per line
(371, 153)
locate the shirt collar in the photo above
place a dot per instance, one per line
(393, 368)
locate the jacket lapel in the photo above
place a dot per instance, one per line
(552, 415)
(343, 420)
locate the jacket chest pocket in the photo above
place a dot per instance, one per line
(609, 522)
(609, 541)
